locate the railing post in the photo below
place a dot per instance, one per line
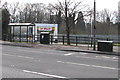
(13, 33)
(88, 42)
(39, 39)
(27, 34)
(51, 39)
(76, 40)
(10, 34)
(20, 34)
(34, 37)
(63, 40)
(91, 41)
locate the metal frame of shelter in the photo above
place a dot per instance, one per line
(20, 25)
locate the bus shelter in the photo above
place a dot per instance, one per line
(32, 32)
(21, 31)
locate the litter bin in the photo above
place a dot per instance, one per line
(44, 38)
(106, 46)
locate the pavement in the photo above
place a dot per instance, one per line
(58, 46)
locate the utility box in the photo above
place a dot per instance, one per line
(44, 38)
(106, 46)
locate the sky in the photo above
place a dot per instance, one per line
(111, 5)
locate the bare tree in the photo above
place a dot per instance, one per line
(116, 16)
(13, 8)
(34, 12)
(69, 9)
(26, 12)
(104, 14)
(39, 10)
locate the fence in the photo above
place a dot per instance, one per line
(74, 40)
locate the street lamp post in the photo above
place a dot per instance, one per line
(94, 25)
(0, 24)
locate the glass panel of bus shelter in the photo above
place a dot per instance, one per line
(16, 33)
(24, 33)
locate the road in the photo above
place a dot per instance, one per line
(23, 62)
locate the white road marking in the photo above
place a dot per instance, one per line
(104, 67)
(25, 57)
(115, 58)
(97, 58)
(103, 57)
(73, 63)
(82, 53)
(44, 74)
(18, 56)
(86, 57)
(96, 66)
(12, 65)
(69, 54)
(8, 55)
(108, 58)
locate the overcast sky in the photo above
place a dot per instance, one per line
(100, 4)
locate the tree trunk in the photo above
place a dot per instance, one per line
(67, 31)
(68, 35)
(67, 25)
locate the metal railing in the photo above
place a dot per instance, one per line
(74, 40)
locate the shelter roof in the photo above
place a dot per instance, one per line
(21, 24)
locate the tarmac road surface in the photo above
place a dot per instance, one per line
(23, 62)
